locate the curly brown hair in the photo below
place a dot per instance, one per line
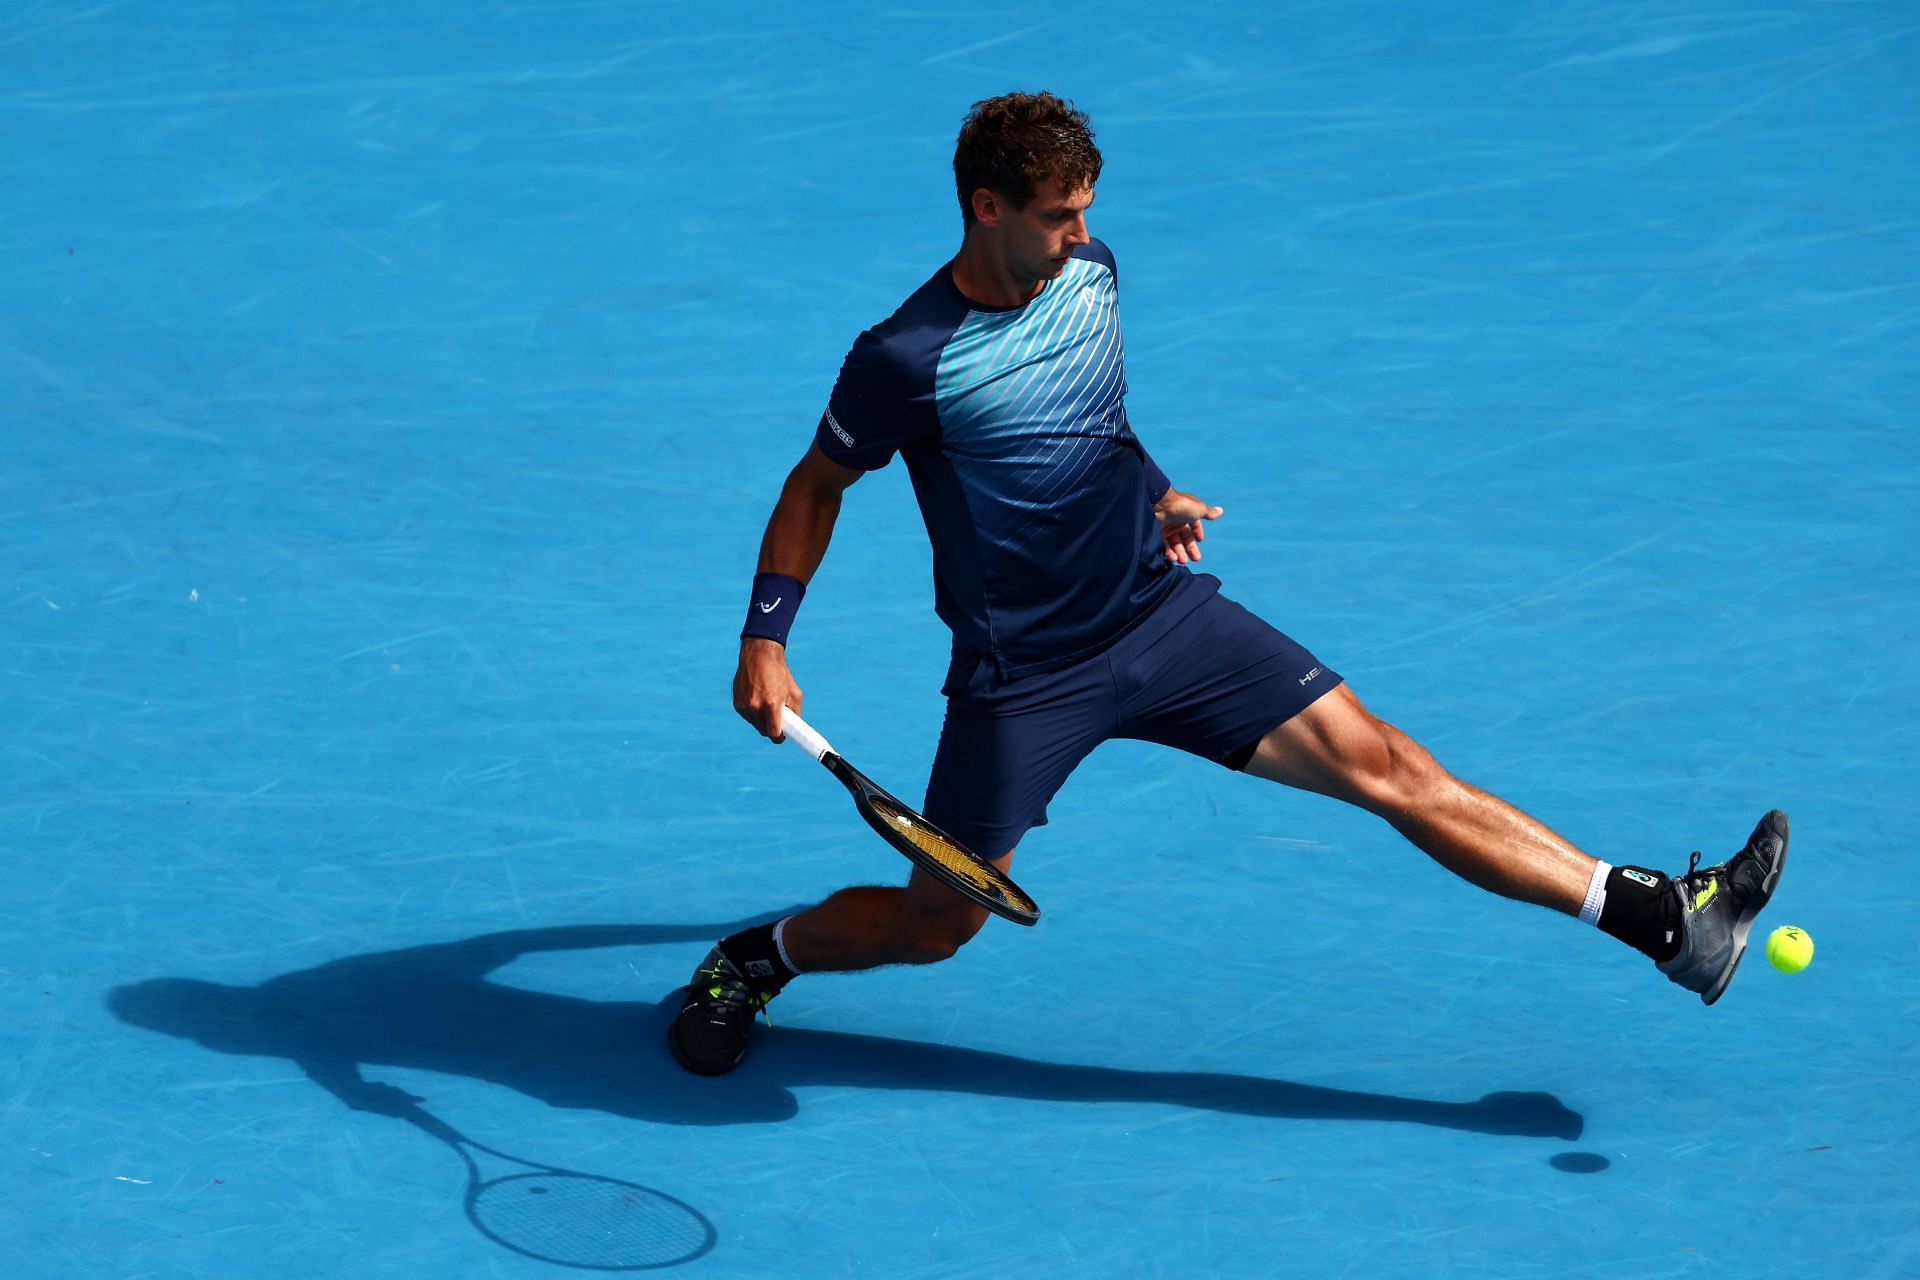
(1013, 143)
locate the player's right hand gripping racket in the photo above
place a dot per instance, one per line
(927, 846)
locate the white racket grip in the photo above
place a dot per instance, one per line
(801, 734)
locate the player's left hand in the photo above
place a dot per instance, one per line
(1180, 515)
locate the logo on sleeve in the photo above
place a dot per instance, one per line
(769, 608)
(839, 430)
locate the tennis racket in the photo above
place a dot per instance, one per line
(573, 1219)
(925, 845)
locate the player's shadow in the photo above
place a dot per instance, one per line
(433, 1008)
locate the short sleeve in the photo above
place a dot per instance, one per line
(1097, 251)
(874, 411)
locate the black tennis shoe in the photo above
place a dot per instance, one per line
(1717, 907)
(709, 1034)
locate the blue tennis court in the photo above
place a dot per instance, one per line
(392, 399)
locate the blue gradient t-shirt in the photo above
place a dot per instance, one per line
(1013, 426)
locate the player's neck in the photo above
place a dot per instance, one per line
(985, 277)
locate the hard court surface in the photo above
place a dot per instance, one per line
(390, 400)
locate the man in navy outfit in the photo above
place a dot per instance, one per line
(1060, 564)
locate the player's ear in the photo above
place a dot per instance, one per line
(987, 207)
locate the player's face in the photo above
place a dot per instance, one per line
(1039, 238)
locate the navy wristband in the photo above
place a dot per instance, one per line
(776, 599)
(1157, 482)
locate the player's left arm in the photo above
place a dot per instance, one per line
(1182, 527)
(1181, 515)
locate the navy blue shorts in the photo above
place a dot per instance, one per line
(1203, 675)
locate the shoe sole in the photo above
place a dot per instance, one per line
(1744, 924)
(699, 1069)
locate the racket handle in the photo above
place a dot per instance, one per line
(801, 734)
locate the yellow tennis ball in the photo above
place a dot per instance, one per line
(1789, 949)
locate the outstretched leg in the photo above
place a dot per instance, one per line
(1338, 748)
(1693, 926)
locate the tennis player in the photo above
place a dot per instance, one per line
(1061, 563)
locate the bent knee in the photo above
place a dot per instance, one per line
(932, 938)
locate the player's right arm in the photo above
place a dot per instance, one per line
(796, 540)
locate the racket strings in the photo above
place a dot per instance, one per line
(955, 857)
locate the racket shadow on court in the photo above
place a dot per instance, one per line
(434, 1008)
(572, 1219)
